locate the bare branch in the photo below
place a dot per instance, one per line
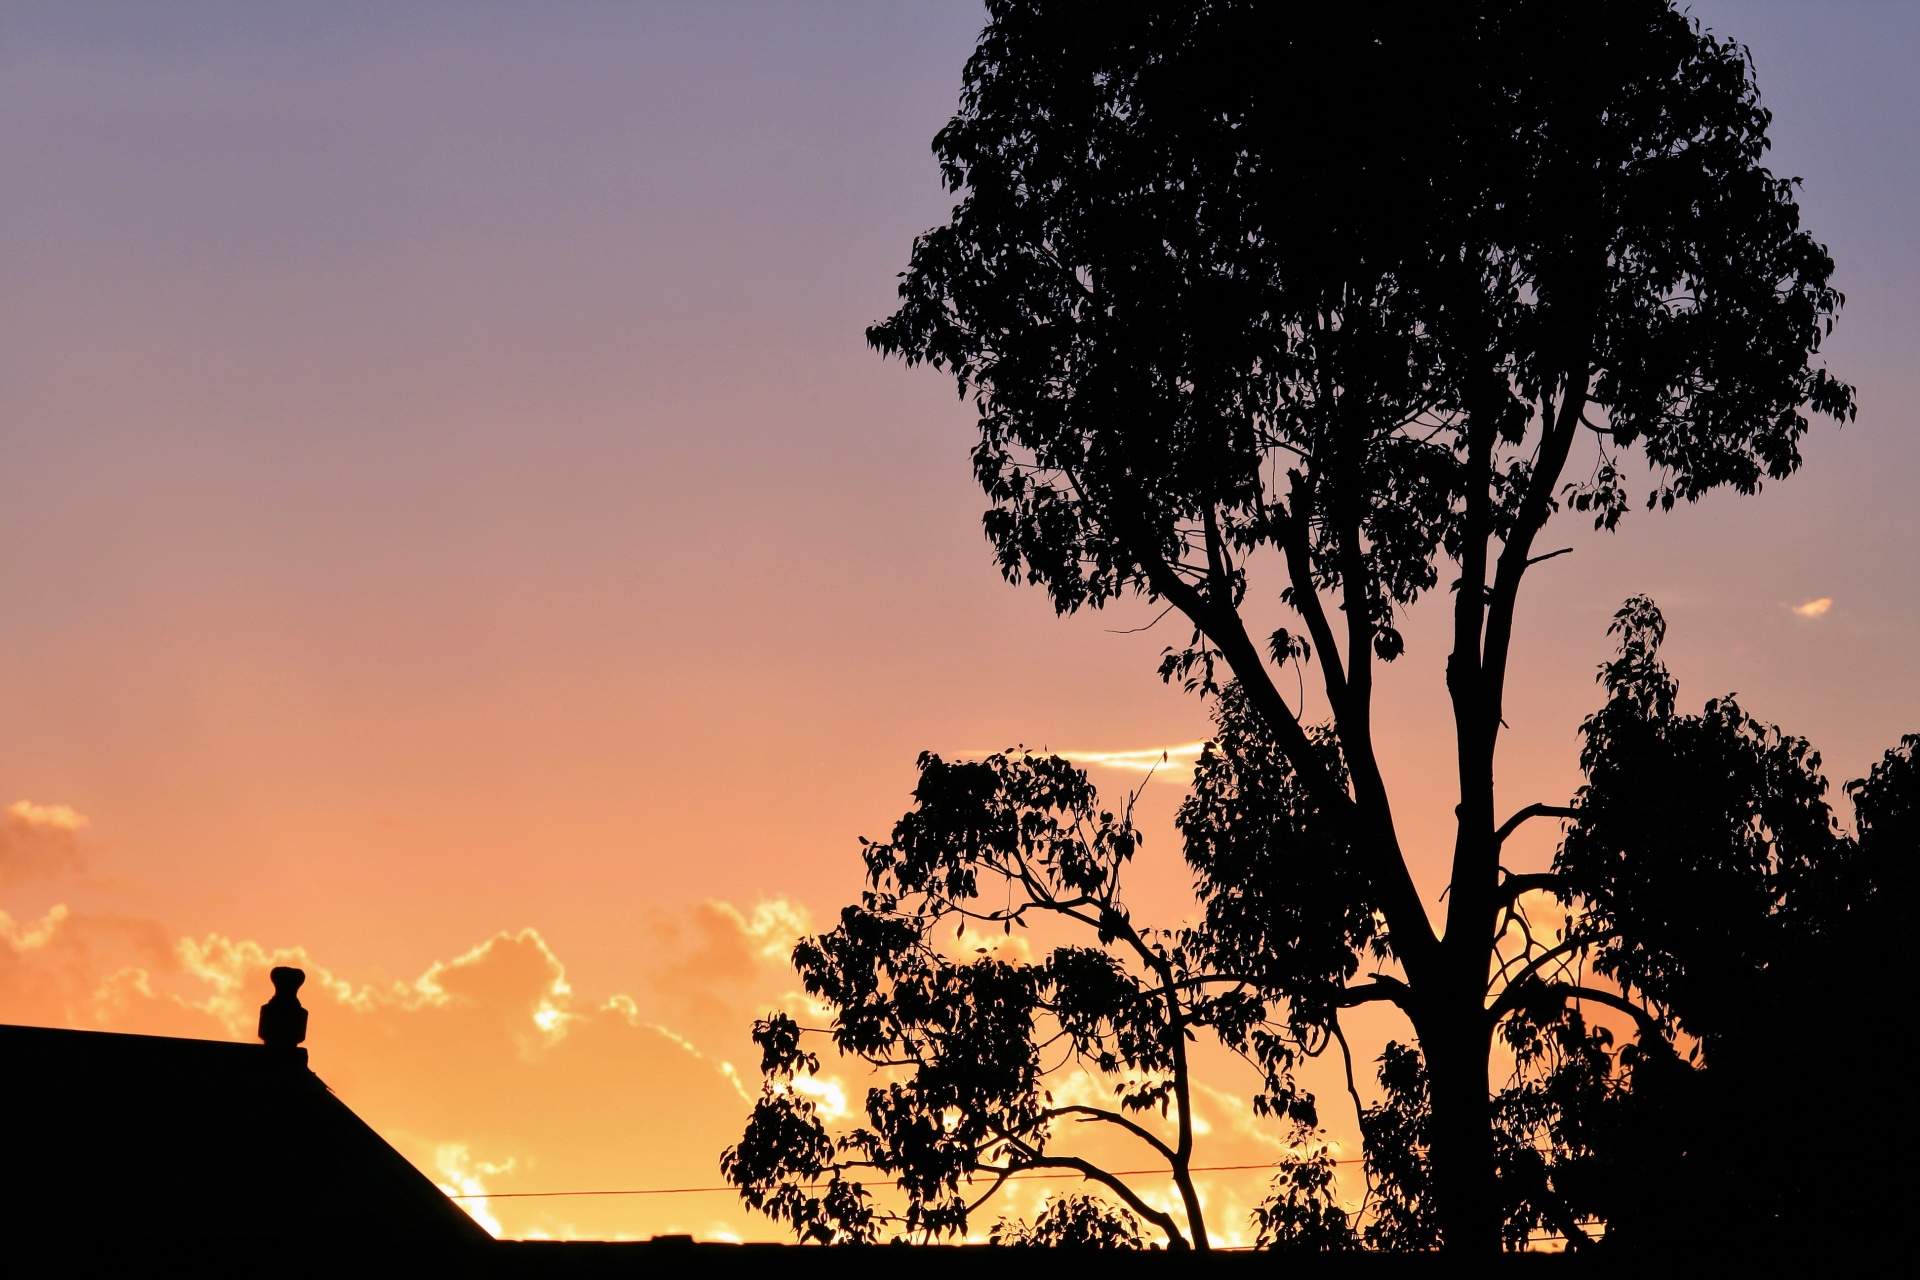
(1134, 631)
(1000, 1180)
(1647, 1023)
(1305, 596)
(1381, 988)
(1513, 886)
(1092, 1114)
(1510, 997)
(1031, 1159)
(1512, 824)
(1359, 1110)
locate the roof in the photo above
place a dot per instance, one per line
(122, 1137)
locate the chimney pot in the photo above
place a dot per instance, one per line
(283, 1023)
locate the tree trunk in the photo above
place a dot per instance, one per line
(1456, 1043)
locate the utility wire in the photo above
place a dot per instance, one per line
(682, 1191)
(1545, 1237)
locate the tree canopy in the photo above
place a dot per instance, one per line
(1010, 841)
(1331, 305)
(1704, 880)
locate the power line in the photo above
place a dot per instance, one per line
(1024, 1175)
(1032, 1176)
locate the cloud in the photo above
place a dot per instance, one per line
(495, 1075)
(1813, 608)
(489, 1071)
(1156, 760)
(717, 968)
(90, 969)
(1229, 1134)
(47, 817)
(39, 840)
(983, 939)
(1165, 764)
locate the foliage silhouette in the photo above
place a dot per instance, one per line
(1212, 334)
(1302, 1213)
(1011, 841)
(1717, 904)
(1703, 899)
(1718, 893)
(1072, 1222)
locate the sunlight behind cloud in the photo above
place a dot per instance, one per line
(1813, 608)
(489, 1071)
(1156, 760)
(1163, 764)
(47, 817)
(827, 1094)
(460, 1176)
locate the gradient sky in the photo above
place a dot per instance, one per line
(444, 493)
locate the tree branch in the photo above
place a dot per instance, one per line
(1381, 988)
(1094, 1173)
(1512, 824)
(1535, 508)
(1476, 868)
(1532, 967)
(1374, 842)
(1513, 886)
(1000, 1180)
(1647, 1023)
(1359, 1114)
(1293, 530)
(1139, 1131)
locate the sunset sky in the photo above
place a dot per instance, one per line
(453, 534)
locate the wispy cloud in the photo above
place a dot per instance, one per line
(1144, 760)
(1813, 608)
(1165, 764)
(46, 817)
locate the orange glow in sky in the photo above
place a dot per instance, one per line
(453, 537)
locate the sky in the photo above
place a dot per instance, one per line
(454, 536)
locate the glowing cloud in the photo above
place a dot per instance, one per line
(1148, 760)
(459, 1175)
(1813, 608)
(39, 840)
(1165, 764)
(489, 1071)
(46, 817)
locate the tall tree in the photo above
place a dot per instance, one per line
(1336, 294)
(1705, 892)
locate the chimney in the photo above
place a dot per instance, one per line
(283, 1023)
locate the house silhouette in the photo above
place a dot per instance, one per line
(150, 1150)
(135, 1141)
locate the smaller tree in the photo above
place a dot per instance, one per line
(963, 1043)
(1072, 1222)
(1704, 896)
(1717, 892)
(1302, 1213)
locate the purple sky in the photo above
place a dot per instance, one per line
(443, 486)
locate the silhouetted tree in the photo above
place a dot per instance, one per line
(1072, 1222)
(1337, 292)
(1716, 893)
(965, 1040)
(1704, 896)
